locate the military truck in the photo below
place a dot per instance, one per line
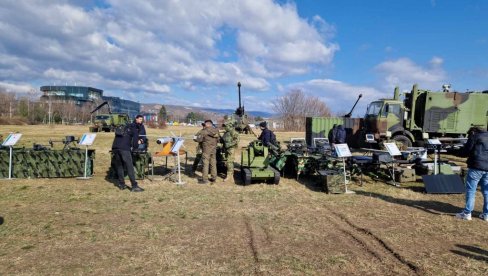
(108, 122)
(425, 114)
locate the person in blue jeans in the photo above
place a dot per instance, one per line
(476, 148)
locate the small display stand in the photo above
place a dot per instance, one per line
(436, 144)
(393, 150)
(176, 150)
(343, 151)
(86, 140)
(10, 142)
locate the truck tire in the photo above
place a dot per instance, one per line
(402, 141)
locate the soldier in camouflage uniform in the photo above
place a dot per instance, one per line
(209, 137)
(230, 141)
(198, 156)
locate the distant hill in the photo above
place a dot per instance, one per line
(181, 111)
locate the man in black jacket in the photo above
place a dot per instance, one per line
(476, 148)
(121, 148)
(140, 134)
(266, 135)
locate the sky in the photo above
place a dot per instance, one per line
(193, 52)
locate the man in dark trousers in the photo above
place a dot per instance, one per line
(209, 137)
(121, 148)
(266, 135)
(476, 149)
(140, 134)
(198, 156)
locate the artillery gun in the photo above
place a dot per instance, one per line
(108, 122)
(241, 120)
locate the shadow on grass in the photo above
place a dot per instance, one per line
(429, 206)
(471, 252)
(1, 220)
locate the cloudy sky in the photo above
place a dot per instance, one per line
(193, 52)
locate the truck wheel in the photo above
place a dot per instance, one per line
(402, 142)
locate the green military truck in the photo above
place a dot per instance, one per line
(425, 114)
(108, 122)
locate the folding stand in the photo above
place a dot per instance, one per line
(84, 177)
(343, 151)
(10, 142)
(10, 164)
(86, 140)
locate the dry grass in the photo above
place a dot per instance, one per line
(68, 226)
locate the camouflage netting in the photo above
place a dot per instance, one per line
(141, 161)
(29, 163)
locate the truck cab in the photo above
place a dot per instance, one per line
(384, 119)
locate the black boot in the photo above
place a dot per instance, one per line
(136, 188)
(122, 186)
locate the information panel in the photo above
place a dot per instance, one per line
(392, 149)
(87, 139)
(342, 150)
(11, 139)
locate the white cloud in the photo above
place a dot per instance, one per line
(18, 88)
(153, 45)
(404, 72)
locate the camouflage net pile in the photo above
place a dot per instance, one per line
(141, 161)
(29, 163)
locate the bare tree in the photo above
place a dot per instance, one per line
(295, 106)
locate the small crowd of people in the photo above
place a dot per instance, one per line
(209, 137)
(133, 137)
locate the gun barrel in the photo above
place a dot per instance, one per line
(239, 89)
(352, 109)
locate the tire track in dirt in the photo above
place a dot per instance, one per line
(252, 243)
(371, 243)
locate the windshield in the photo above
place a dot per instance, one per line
(102, 117)
(374, 108)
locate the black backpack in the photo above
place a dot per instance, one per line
(272, 137)
(121, 130)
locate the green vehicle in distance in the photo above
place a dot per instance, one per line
(424, 114)
(108, 122)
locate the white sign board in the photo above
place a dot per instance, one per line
(434, 142)
(177, 145)
(342, 150)
(87, 139)
(392, 149)
(12, 139)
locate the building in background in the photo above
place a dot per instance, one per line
(80, 95)
(88, 96)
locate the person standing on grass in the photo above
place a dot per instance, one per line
(476, 148)
(209, 138)
(140, 134)
(121, 149)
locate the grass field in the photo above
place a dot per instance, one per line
(69, 226)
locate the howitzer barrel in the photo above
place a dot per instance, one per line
(352, 109)
(239, 89)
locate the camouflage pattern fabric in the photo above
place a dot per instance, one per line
(140, 160)
(28, 163)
